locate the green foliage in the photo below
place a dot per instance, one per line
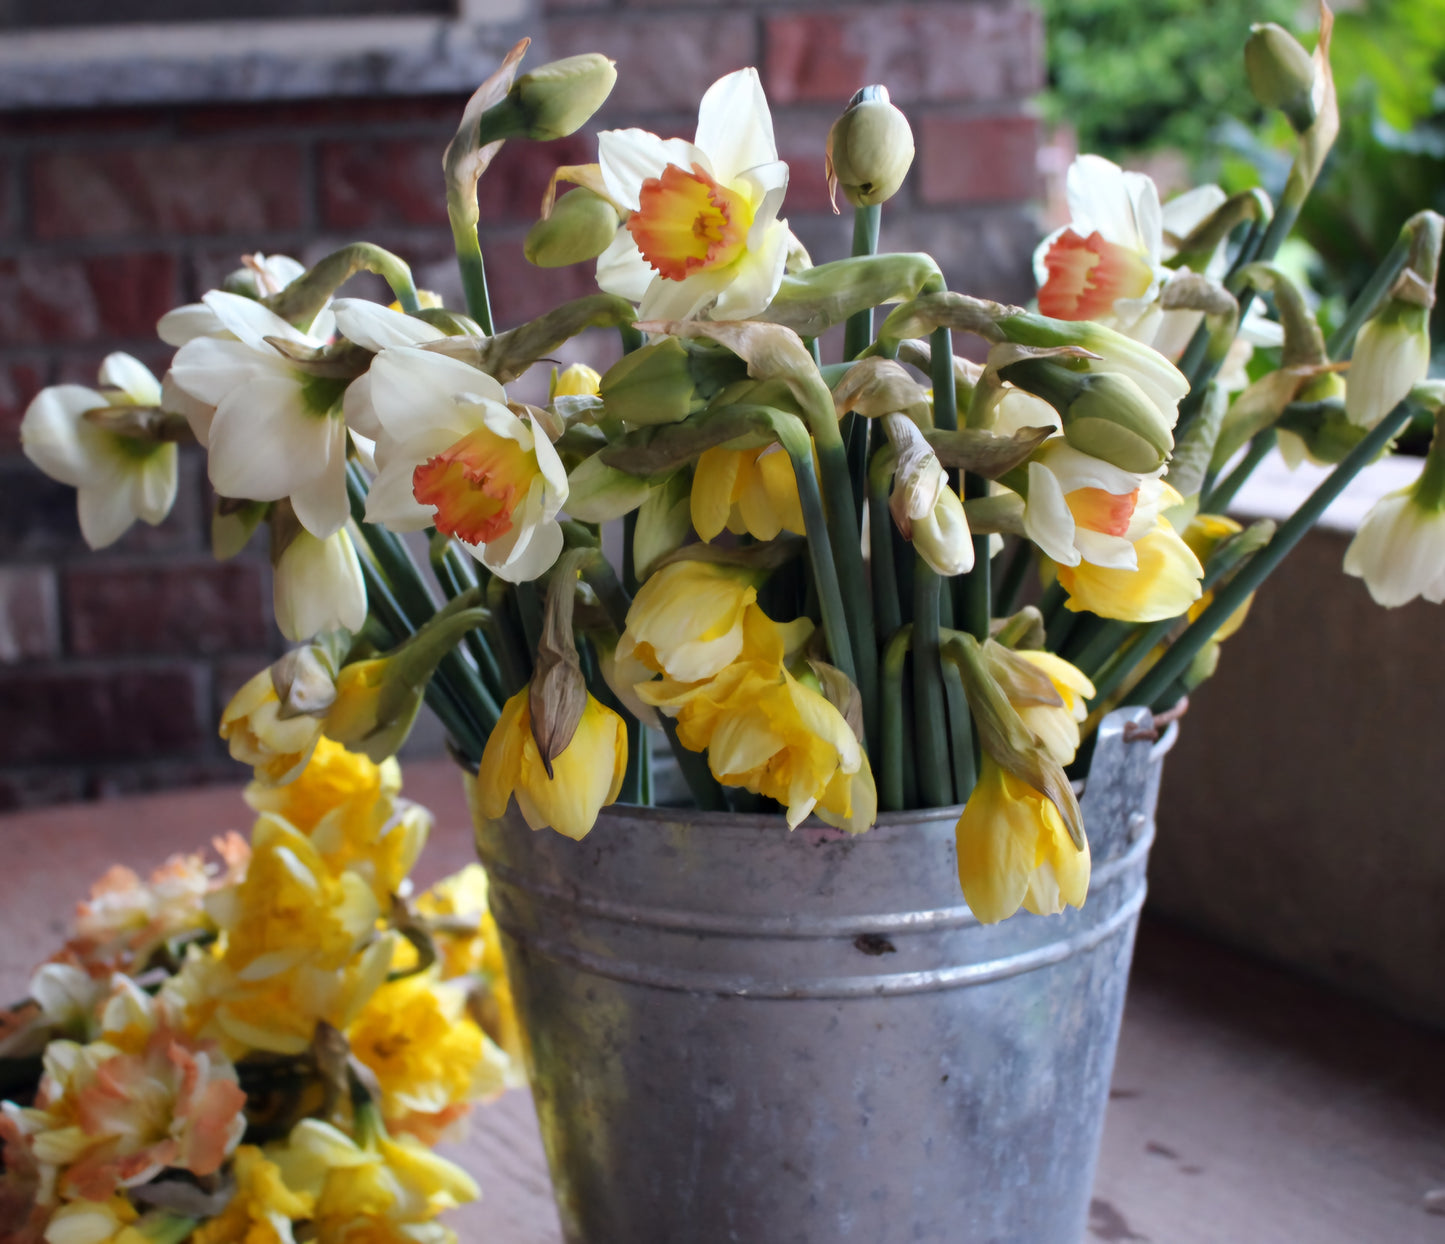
(1131, 75)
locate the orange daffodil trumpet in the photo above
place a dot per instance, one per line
(452, 455)
(703, 237)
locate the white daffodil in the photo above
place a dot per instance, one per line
(703, 238)
(1107, 263)
(452, 455)
(117, 478)
(1085, 509)
(317, 586)
(1399, 550)
(269, 275)
(275, 431)
(1391, 356)
(374, 328)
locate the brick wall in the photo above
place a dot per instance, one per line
(114, 666)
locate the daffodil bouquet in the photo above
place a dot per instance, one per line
(234, 1049)
(817, 596)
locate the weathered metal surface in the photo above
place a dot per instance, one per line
(741, 1034)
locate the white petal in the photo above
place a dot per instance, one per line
(536, 558)
(1185, 211)
(622, 270)
(1148, 223)
(1111, 552)
(321, 504)
(265, 444)
(250, 321)
(391, 503)
(1048, 521)
(209, 368)
(1100, 201)
(357, 410)
(56, 438)
(176, 401)
(758, 274)
(1076, 469)
(686, 299)
(153, 484)
(630, 157)
(318, 587)
(554, 474)
(105, 511)
(131, 377)
(413, 391)
(375, 327)
(187, 323)
(734, 125)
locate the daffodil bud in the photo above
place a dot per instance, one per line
(260, 732)
(581, 227)
(1105, 414)
(377, 699)
(1392, 353)
(1281, 73)
(665, 381)
(927, 511)
(579, 380)
(870, 148)
(560, 97)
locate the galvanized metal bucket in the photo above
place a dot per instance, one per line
(741, 1034)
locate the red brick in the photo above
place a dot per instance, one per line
(37, 515)
(46, 299)
(29, 622)
(62, 714)
(180, 608)
(955, 52)
(20, 380)
(978, 159)
(664, 62)
(371, 183)
(802, 142)
(519, 291)
(8, 190)
(186, 188)
(133, 779)
(323, 114)
(512, 188)
(86, 123)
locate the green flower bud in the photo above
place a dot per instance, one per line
(870, 148)
(1281, 73)
(560, 97)
(665, 381)
(1105, 414)
(581, 227)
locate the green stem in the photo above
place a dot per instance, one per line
(892, 758)
(887, 616)
(707, 791)
(1224, 492)
(474, 276)
(631, 338)
(977, 596)
(512, 657)
(1369, 298)
(1176, 660)
(930, 723)
(858, 333)
(960, 734)
(1106, 640)
(1006, 595)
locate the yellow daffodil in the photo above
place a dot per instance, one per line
(370, 1193)
(1203, 535)
(1165, 584)
(430, 1058)
(298, 945)
(117, 478)
(586, 776)
(702, 237)
(453, 456)
(346, 804)
(767, 732)
(262, 1209)
(687, 620)
(579, 380)
(277, 749)
(1013, 850)
(1057, 727)
(746, 491)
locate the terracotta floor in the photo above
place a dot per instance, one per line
(1248, 1107)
